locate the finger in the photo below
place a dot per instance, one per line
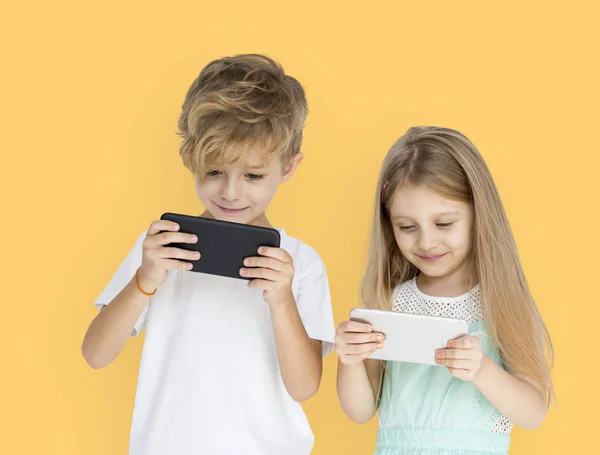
(466, 342)
(362, 338)
(162, 225)
(459, 373)
(355, 326)
(452, 354)
(166, 238)
(264, 274)
(172, 264)
(265, 285)
(458, 364)
(177, 253)
(265, 262)
(275, 253)
(367, 348)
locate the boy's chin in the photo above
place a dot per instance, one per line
(244, 217)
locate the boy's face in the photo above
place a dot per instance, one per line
(241, 192)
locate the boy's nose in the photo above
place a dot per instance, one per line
(231, 191)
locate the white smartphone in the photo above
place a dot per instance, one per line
(409, 337)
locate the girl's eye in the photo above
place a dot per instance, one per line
(406, 228)
(213, 173)
(445, 225)
(254, 176)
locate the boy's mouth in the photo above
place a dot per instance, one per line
(230, 211)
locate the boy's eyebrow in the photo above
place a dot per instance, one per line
(454, 212)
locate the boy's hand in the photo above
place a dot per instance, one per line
(463, 357)
(158, 259)
(355, 341)
(273, 272)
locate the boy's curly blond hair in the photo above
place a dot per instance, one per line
(241, 101)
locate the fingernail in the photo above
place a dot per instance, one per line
(246, 261)
(197, 255)
(260, 250)
(379, 345)
(176, 227)
(242, 271)
(194, 238)
(379, 338)
(189, 266)
(369, 329)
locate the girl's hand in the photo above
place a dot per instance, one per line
(463, 357)
(273, 272)
(157, 259)
(355, 341)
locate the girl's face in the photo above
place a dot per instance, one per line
(432, 232)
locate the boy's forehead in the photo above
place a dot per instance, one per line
(238, 155)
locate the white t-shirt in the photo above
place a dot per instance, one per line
(209, 380)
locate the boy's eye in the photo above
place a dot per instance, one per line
(213, 173)
(254, 176)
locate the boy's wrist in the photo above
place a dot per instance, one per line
(283, 307)
(145, 282)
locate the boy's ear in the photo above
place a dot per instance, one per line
(292, 166)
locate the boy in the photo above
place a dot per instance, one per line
(225, 362)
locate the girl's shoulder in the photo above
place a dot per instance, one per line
(406, 290)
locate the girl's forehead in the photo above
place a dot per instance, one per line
(413, 201)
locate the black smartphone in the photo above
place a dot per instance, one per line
(223, 245)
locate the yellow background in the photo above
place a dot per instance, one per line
(90, 95)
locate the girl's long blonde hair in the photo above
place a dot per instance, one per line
(445, 161)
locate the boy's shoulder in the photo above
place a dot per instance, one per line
(304, 255)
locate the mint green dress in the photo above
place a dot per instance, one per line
(424, 410)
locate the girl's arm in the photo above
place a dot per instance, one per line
(515, 396)
(359, 379)
(358, 388)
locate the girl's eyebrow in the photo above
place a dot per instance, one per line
(454, 212)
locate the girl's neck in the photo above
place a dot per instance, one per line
(454, 284)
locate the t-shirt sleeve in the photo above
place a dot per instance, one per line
(314, 303)
(124, 274)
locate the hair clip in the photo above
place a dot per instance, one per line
(383, 190)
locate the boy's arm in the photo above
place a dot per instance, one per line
(293, 318)
(300, 358)
(111, 328)
(122, 303)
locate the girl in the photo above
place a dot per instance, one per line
(442, 245)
